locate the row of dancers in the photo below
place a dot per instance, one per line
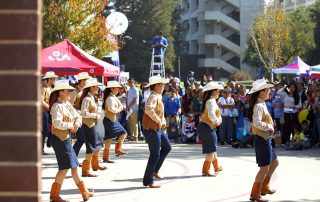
(66, 119)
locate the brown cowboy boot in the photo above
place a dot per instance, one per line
(54, 193)
(95, 163)
(216, 166)
(118, 150)
(256, 193)
(106, 156)
(84, 191)
(206, 169)
(86, 169)
(156, 175)
(265, 187)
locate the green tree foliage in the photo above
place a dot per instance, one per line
(315, 17)
(80, 21)
(300, 37)
(240, 76)
(268, 34)
(146, 19)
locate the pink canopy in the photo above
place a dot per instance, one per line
(65, 58)
(297, 66)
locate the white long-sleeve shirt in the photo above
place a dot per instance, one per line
(288, 101)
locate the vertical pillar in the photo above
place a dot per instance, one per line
(19, 100)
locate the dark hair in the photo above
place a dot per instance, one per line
(252, 101)
(83, 95)
(53, 98)
(106, 94)
(298, 127)
(295, 93)
(206, 97)
(152, 86)
(160, 32)
(305, 122)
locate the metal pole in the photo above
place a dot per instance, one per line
(179, 66)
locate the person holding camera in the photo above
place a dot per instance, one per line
(160, 44)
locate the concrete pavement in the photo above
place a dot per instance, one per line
(296, 179)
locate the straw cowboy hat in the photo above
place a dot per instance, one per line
(50, 75)
(92, 82)
(157, 79)
(83, 75)
(113, 84)
(62, 85)
(212, 86)
(258, 85)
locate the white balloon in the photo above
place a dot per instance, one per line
(117, 23)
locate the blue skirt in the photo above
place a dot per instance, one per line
(66, 157)
(92, 139)
(265, 154)
(208, 137)
(112, 129)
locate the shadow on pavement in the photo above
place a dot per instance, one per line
(165, 178)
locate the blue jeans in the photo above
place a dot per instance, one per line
(80, 141)
(159, 147)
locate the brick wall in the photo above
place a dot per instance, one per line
(20, 45)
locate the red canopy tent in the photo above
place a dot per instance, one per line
(65, 58)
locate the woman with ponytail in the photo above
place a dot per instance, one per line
(90, 115)
(112, 108)
(210, 120)
(262, 128)
(65, 120)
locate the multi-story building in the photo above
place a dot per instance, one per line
(290, 5)
(217, 31)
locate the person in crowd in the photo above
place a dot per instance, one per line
(210, 120)
(132, 109)
(112, 108)
(302, 94)
(204, 80)
(297, 141)
(262, 128)
(238, 112)
(195, 105)
(91, 113)
(188, 129)
(186, 100)
(307, 134)
(316, 126)
(166, 92)
(160, 44)
(172, 107)
(277, 105)
(291, 103)
(197, 86)
(65, 120)
(226, 104)
(75, 101)
(122, 96)
(189, 80)
(47, 85)
(154, 124)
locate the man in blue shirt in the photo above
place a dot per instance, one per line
(160, 44)
(172, 106)
(133, 108)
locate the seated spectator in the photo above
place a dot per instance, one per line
(188, 130)
(307, 134)
(298, 139)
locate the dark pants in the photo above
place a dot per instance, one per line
(159, 147)
(290, 120)
(45, 129)
(226, 129)
(80, 141)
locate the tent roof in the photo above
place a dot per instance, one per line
(65, 58)
(297, 66)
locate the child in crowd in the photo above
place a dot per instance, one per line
(188, 130)
(298, 139)
(307, 134)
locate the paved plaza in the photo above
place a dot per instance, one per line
(296, 179)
